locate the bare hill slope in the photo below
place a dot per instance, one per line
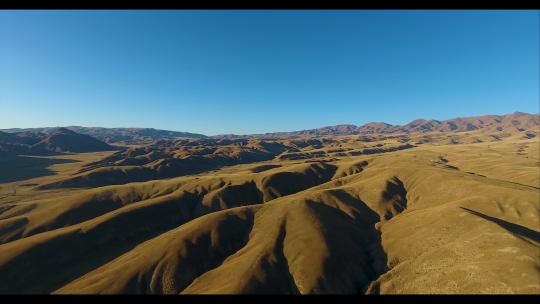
(422, 220)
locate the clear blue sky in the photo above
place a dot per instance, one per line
(217, 72)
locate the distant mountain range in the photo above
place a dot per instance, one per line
(517, 121)
(514, 122)
(128, 136)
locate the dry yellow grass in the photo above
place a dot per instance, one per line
(436, 218)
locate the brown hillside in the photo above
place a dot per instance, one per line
(396, 213)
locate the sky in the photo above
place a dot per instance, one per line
(245, 72)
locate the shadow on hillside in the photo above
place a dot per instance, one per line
(16, 168)
(518, 230)
(373, 257)
(68, 256)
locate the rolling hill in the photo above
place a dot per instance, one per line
(432, 208)
(57, 141)
(129, 136)
(64, 140)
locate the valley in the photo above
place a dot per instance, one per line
(378, 213)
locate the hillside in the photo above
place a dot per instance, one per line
(64, 140)
(166, 158)
(371, 224)
(58, 141)
(445, 212)
(129, 136)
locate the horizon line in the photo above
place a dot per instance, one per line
(272, 132)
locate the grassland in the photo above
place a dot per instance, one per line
(451, 214)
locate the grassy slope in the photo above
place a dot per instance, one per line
(433, 219)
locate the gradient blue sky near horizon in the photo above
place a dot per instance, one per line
(220, 72)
